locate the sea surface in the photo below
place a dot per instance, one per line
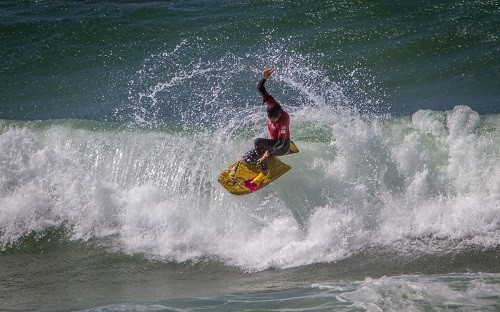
(116, 118)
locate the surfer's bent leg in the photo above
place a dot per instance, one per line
(260, 146)
(280, 148)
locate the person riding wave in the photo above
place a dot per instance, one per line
(278, 126)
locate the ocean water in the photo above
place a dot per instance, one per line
(116, 118)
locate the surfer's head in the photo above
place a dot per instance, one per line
(274, 111)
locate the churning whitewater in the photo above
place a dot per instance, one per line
(426, 183)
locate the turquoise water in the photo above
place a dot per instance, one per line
(116, 118)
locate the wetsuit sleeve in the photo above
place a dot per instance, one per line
(266, 97)
(262, 89)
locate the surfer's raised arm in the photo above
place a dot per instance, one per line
(266, 97)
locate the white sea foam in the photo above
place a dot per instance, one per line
(417, 293)
(374, 181)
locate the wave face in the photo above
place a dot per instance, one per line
(422, 184)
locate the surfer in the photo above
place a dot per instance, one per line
(278, 126)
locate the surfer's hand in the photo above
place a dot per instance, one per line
(264, 157)
(267, 72)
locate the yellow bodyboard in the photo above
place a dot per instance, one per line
(236, 177)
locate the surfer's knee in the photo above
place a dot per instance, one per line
(257, 142)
